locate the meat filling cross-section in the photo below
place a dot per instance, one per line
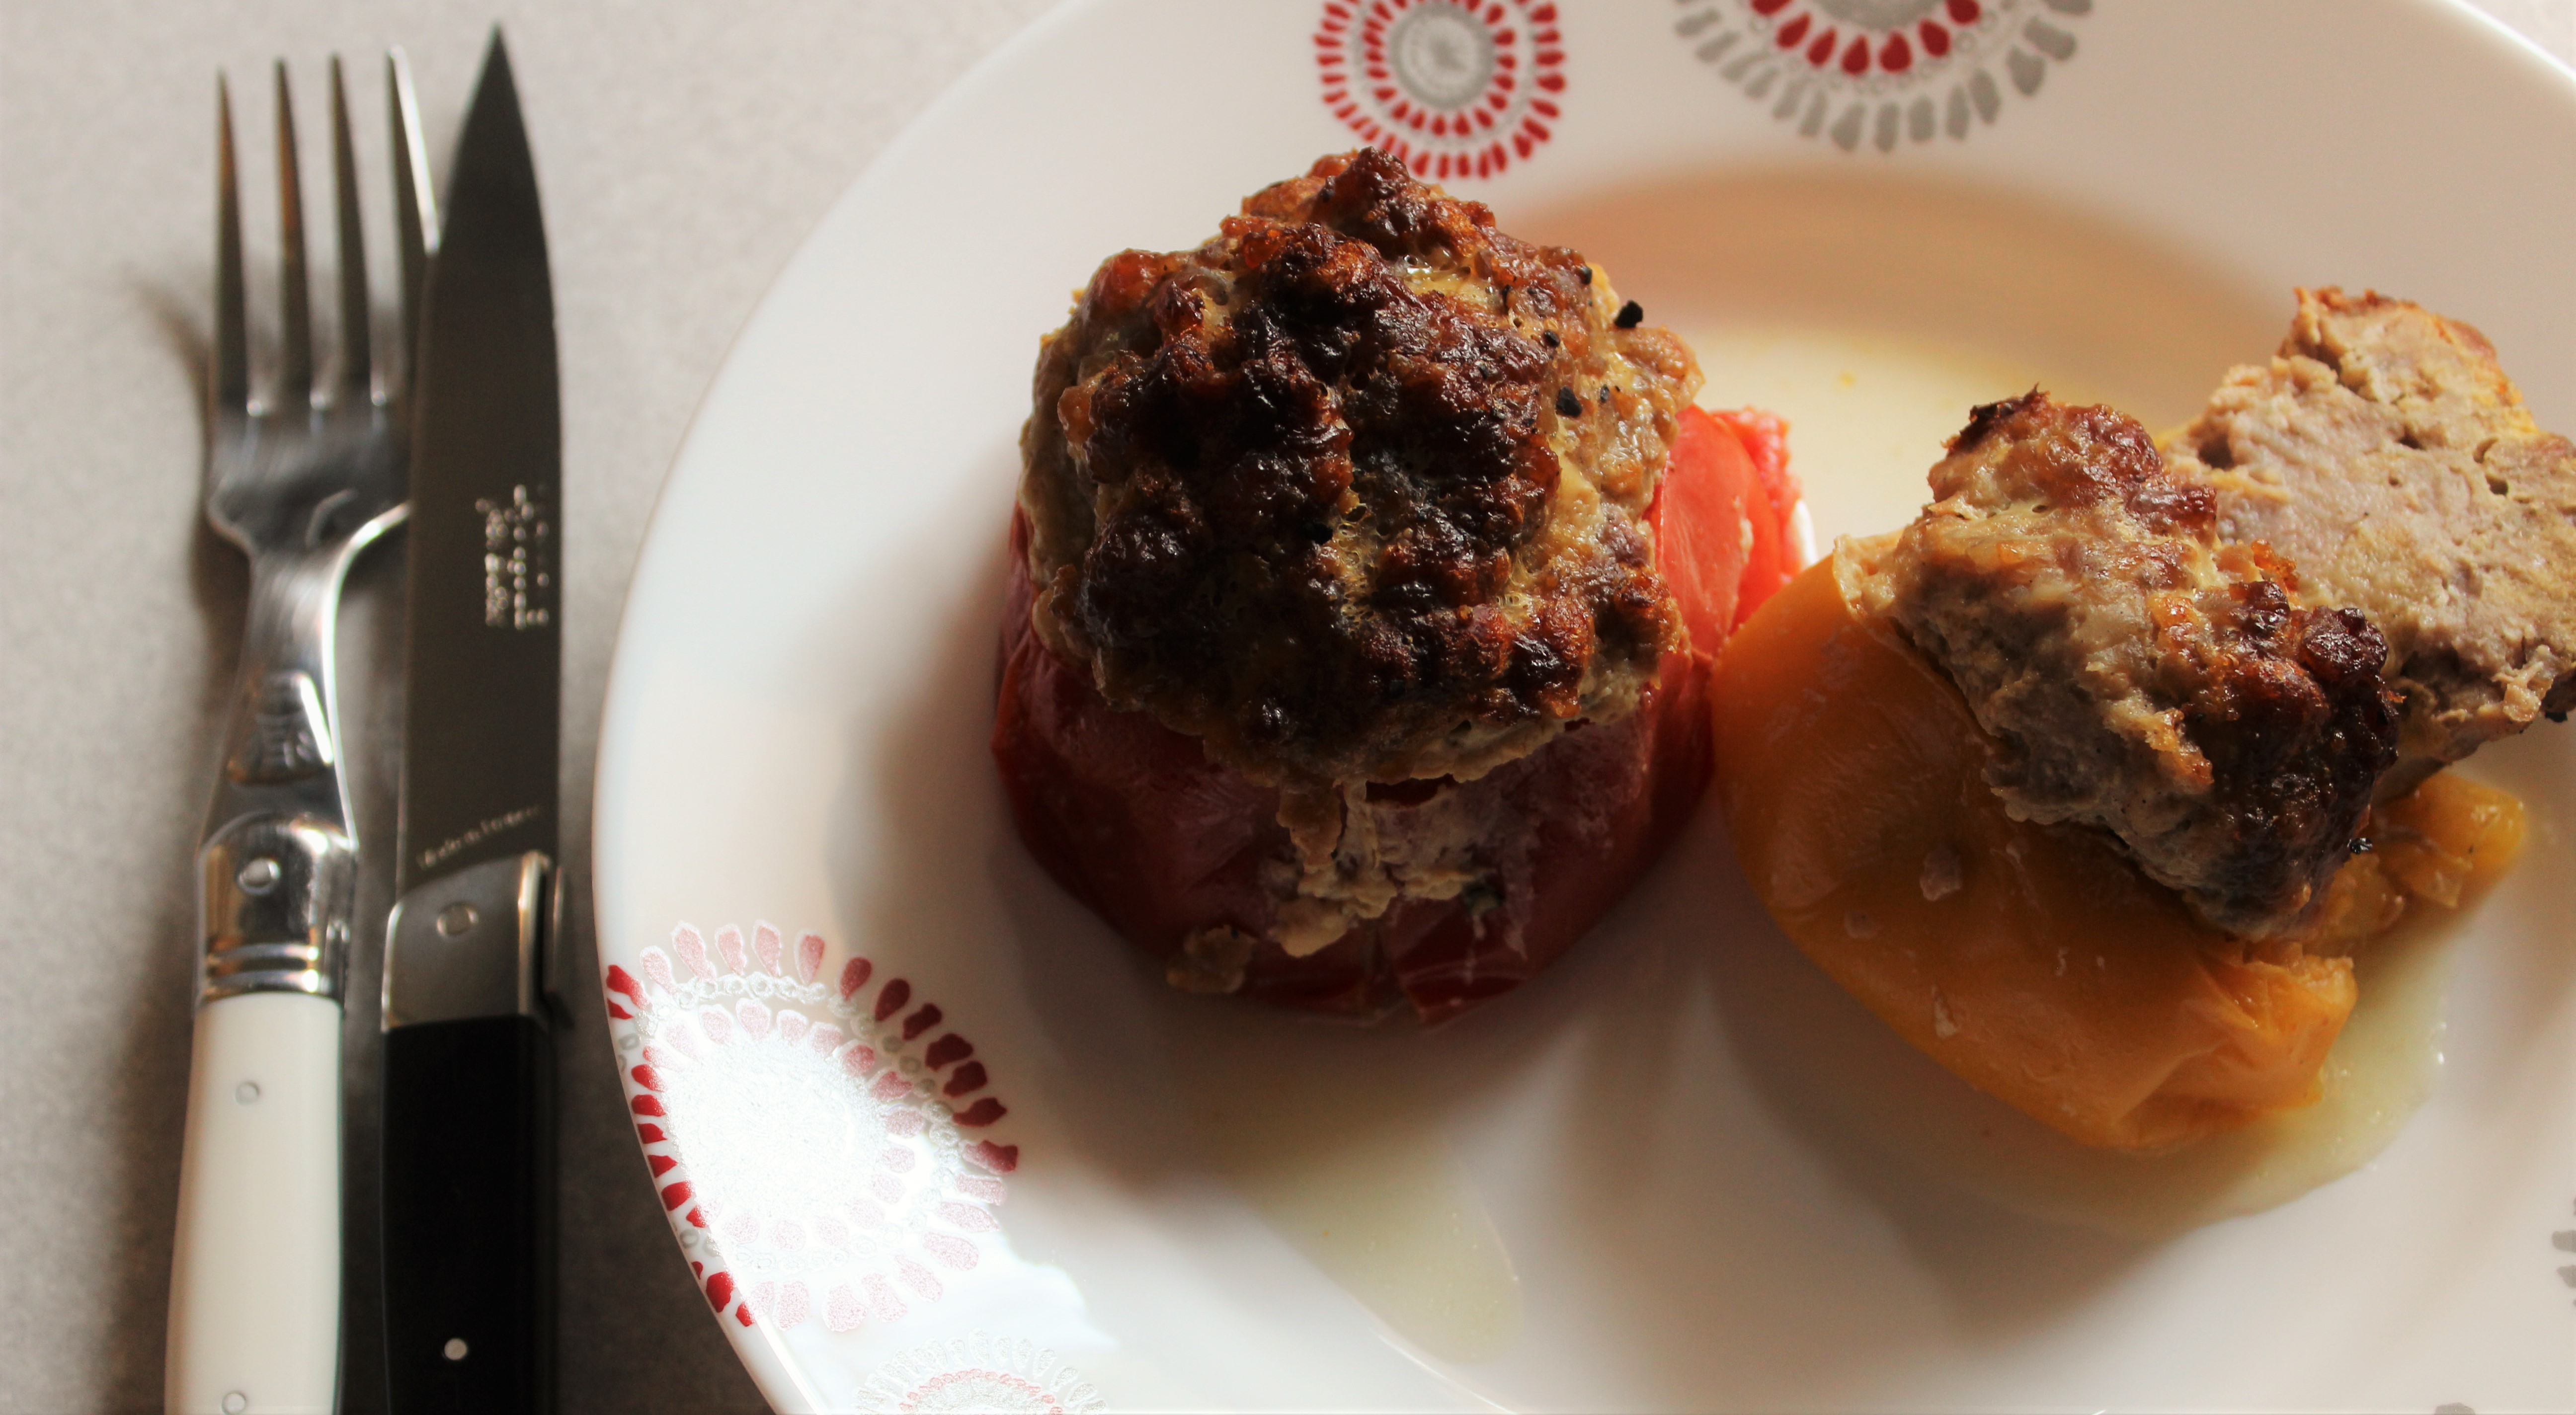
(2384, 453)
(2138, 674)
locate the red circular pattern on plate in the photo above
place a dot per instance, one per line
(1453, 88)
(1867, 38)
(1882, 72)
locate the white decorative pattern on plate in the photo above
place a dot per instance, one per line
(1454, 88)
(979, 1372)
(811, 1139)
(1882, 69)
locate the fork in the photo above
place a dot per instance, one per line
(302, 476)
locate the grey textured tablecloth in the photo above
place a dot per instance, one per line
(685, 149)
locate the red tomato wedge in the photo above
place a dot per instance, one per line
(1772, 559)
(1163, 843)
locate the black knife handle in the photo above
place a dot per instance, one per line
(469, 1223)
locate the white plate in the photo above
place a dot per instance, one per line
(1640, 1181)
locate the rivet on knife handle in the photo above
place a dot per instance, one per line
(470, 944)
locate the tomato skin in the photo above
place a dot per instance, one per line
(1161, 841)
(1136, 821)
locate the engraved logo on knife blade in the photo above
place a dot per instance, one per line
(478, 833)
(518, 559)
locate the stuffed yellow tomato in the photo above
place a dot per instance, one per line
(2091, 793)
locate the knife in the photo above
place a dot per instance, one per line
(468, 1148)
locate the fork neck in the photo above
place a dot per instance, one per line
(278, 869)
(282, 749)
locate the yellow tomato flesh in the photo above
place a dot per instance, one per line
(2032, 961)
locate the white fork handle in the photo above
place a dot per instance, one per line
(255, 1283)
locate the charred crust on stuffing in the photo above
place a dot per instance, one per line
(1986, 418)
(1317, 492)
(2298, 727)
(2083, 456)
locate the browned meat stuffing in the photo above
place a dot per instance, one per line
(2385, 454)
(2137, 674)
(1356, 490)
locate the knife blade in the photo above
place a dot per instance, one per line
(468, 1147)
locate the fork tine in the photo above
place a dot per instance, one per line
(231, 382)
(415, 205)
(295, 380)
(356, 371)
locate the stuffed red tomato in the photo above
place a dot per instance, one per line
(1366, 575)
